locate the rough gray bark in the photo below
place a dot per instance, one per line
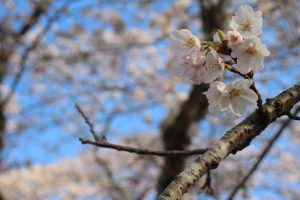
(261, 157)
(234, 140)
(175, 128)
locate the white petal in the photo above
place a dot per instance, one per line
(224, 101)
(249, 96)
(257, 64)
(214, 109)
(237, 107)
(243, 65)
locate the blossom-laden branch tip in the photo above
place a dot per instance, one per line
(239, 51)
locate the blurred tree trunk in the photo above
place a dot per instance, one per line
(5, 52)
(175, 127)
(8, 40)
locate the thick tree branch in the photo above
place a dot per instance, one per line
(136, 150)
(233, 141)
(260, 158)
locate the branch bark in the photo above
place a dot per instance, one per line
(261, 157)
(136, 150)
(233, 141)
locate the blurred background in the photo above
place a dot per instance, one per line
(112, 57)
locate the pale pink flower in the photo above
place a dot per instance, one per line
(250, 55)
(237, 96)
(190, 67)
(247, 22)
(213, 95)
(214, 66)
(234, 38)
(184, 42)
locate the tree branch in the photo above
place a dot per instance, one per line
(293, 117)
(233, 141)
(39, 10)
(28, 50)
(88, 122)
(129, 149)
(260, 158)
(101, 142)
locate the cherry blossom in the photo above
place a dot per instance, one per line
(250, 55)
(213, 95)
(240, 50)
(247, 22)
(190, 67)
(234, 38)
(214, 66)
(236, 96)
(183, 41)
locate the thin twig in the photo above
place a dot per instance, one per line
(101, 142)
(206, 188)
(261, 157)
(88, 122)
(293, 117)
(129, 149)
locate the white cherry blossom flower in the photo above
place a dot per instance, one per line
(214, 66)
(234, 38)
(190, 67)
(183, 41)
(250, 55)
(213, 95)
(236, 96)
(247, 22)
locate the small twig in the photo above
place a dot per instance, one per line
(235, 71)
(88, 122)
(293, 117)
(129, 149)
(206, 188)
(259, 101)
(101, 142)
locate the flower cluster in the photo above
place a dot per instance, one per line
(239, 51)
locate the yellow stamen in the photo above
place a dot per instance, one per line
(190, 42)
(252, 51)
(234, 93)
(234, 38)
(246, 26)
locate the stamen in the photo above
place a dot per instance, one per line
(233, 38)
(246, 26)
(252, 51)
(234, 93)
(190, 42)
